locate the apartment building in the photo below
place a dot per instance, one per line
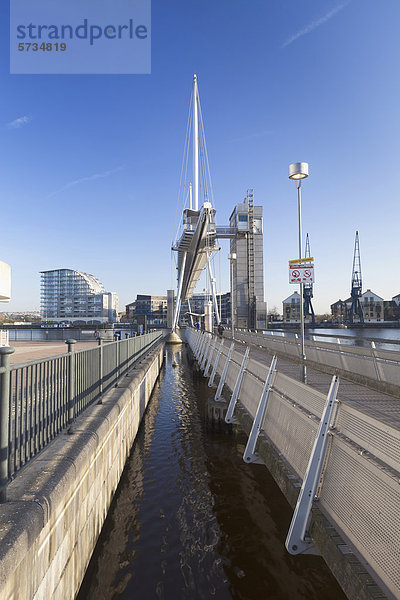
(75, 297)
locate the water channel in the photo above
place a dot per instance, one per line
(190, 520)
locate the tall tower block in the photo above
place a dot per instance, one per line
(248, 270)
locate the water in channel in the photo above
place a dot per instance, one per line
(190, 520)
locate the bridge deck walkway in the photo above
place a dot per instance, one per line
(381, 406)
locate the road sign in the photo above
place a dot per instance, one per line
(300, 273)
(297, 261)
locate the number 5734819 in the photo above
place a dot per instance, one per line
(43, 47)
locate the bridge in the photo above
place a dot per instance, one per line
(332, 446)
(68, 424)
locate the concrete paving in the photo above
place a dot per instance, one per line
(27, 351)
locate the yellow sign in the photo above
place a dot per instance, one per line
(298, 261)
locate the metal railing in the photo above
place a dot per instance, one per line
(358, 489)
(39, 399)
(379, 365)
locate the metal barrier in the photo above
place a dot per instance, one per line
(40, 398)
(380, 365)
(357, 477)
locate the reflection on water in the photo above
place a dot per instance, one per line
(190, 520)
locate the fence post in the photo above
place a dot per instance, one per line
(5, 353)
(100, 343)
(373, 348)
(117, 349)
(71, 383)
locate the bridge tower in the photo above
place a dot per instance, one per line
(250, 257)
(308, 289)
(356, 285)
(246, 225)
(196, 242)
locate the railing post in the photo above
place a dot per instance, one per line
(201, 347)
(250, 455)
(224, 373)
(298, 541)
(129, 355)
(100, 344)
(236, 390)
(215, 367)
(210, 355)
(206, 352)
(71, 383)
(5, 353)
(117, 352)
(373, 348)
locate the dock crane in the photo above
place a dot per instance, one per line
(308, 290)
(356, 285)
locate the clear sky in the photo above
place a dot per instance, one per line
(90, 164)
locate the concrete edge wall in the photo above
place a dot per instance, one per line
(350, 573)
(58, 503)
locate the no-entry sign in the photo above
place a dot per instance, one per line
(301, 273)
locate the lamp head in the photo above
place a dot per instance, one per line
(298, 170)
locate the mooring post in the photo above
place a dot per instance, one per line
(71, 383)
(5, 353)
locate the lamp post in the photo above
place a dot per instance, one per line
(232, 258)
(297, 172)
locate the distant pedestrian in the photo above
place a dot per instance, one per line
(197, 325)
(220, 330)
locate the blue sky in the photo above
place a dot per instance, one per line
(90, 164)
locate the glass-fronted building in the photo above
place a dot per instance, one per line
(70, 296)
(155, 308)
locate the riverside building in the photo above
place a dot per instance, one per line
(156, 311)
(73, 297)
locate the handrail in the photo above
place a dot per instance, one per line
(332, 335)
(382, 366)
(41, 398)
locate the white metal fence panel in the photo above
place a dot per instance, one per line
(364, 500)
(360, 491)
(292, 432)
(310, 399)
(390, 372)
(376, 437)
(251, 392)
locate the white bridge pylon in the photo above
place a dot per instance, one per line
(198, 239)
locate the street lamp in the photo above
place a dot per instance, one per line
(297, 172)
(232, 258)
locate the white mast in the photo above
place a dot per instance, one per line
(195, 146)
(190, 197)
